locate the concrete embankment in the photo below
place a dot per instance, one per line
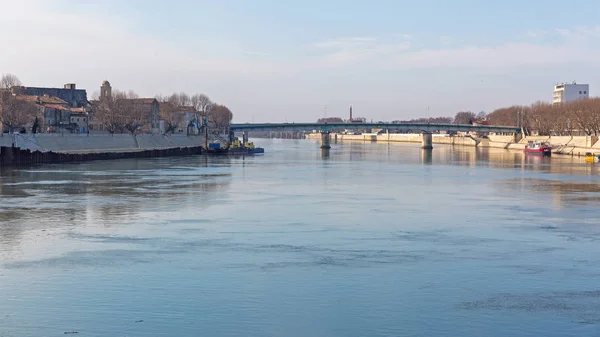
(27, 149)
(567, 145)
(401, 138)
(93, 143)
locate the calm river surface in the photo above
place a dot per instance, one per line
(367, 240)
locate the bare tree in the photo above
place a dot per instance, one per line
(202, 103)
(179, 99)
(110, 112)
(220, 116)
(481, 116)
(541, 114)
(8, 81)
(172, 116)
(134, 113)
(14, 113)
(464, 117)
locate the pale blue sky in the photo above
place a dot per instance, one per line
(272, 60)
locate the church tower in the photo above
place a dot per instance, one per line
(105, 91)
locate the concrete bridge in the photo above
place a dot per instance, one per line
(426, 129)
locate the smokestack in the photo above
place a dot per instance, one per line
(351, 113)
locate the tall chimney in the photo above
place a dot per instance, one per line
(351, 113)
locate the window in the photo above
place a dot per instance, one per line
(580, 92)
(585, 92)
(78, 119)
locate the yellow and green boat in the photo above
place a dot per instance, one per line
(592, 158)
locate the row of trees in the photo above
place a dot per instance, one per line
(127, 111)
(566, 119)
(171, 107)
(119, 112)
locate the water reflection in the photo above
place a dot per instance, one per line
(427, 156)
(325, 153)
(105, 192)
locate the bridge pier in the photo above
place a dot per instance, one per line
(325, 140)
(427, 143)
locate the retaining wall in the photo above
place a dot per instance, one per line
(93, 143)
(402, 138)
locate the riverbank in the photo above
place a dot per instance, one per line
(14, 156)
(566, 145)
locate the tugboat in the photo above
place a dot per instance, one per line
(538, 147)
(248, 148)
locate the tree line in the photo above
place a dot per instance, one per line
(171, 106)
(565, 119)
(127, 111)
(580, 117)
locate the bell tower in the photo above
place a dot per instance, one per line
(105, 90)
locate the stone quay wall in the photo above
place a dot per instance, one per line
(83, 143)
(567, 145)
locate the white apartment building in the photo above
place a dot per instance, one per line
(567, 92)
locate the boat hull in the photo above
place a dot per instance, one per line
(246, 151)
(546, 151)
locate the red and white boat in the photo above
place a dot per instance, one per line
(538, 147)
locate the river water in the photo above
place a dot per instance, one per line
(363, 240)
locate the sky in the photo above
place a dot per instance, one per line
(297, 61)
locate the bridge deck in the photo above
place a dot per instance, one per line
(404, 127)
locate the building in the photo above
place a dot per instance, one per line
(79, 120)
(151, 108)
(187, 117)
(76, 98)
(567, 92)
(56, 114)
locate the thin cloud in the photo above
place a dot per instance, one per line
(345, 43)
(256, 53)
(577, 46)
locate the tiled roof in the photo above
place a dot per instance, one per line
(60, 107)
(55, 106)
(42, 99)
